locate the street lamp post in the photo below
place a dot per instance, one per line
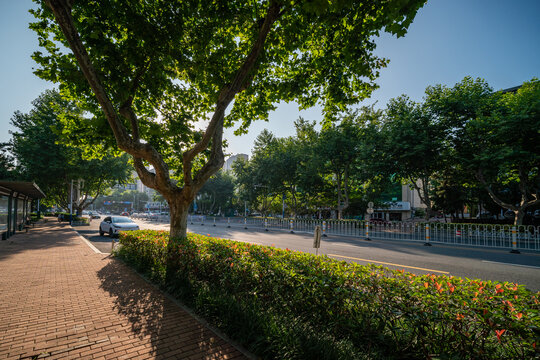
(71, 204)
(283, 207)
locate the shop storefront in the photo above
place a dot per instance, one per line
(15, 203)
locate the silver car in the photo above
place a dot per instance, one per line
(114, 224)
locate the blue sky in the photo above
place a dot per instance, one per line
(498, 40)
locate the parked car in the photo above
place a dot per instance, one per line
(536, 214)
(94, 215)
(114, 224)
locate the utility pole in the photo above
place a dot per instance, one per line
(71, 204)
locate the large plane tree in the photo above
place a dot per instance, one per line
(148, 71)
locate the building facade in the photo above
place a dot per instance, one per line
(230, 161)
(15, 200)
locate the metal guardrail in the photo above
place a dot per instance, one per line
(524, 237)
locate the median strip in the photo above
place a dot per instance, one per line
(387, 263)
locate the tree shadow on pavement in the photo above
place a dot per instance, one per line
(41, 236)
(172, 331)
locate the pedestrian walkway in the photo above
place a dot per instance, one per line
(60, 299)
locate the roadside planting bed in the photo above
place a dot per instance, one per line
(283, 304)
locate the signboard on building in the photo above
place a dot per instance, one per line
(153, 205)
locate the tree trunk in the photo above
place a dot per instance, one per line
(519, 210)
(338, 176)
(518, 217)
(178, 210)
(423, 194)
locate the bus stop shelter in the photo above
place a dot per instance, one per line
(15, 203)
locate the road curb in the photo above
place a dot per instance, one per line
(96, 250)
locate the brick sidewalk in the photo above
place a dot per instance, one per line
(59, 299)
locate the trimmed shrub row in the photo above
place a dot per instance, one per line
(283, 304)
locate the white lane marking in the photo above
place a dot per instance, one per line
(387, 263)
(501, 263)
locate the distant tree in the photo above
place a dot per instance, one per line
(310, 177)
(217, 193)
(7, 165)
(512, 152)
(449, 194)
(338, 143)
(495, 136)
(42, 157)
(151, 69)
(271, 170)
(413, 145)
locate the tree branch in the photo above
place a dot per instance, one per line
(494, 197)
(227, 93)
(62, 13)
(418, 190)
(126, 109)
(146, 176)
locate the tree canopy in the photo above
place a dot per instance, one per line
(461, 145)
(152, 69)
(42, 158)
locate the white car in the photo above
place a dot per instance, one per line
(114, 224)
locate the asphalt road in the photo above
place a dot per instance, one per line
(462, 261)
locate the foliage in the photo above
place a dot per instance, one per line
(42, 158)
(333, 168)
(495, 137)
(339, 144)
(271, 173)
(7, 165)
(217, 193)
(152, 69)
(286, 304)
(413, 145)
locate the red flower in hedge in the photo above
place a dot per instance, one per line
(519, 315)
(499, 334)
(460, 316)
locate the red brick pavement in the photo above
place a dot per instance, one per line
(61, 300)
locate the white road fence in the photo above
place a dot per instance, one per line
(480, 235)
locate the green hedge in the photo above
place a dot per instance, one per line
(284, 304)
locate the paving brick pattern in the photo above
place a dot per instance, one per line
(61, 300)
